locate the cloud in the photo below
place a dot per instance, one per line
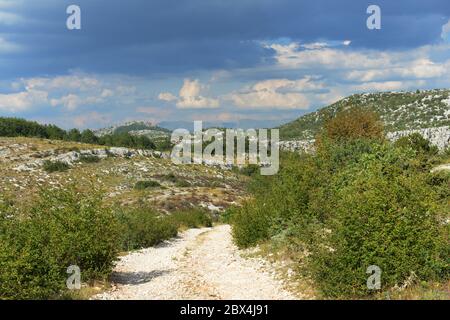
(190, 96)
(276, 93)
(91, 119)
(7, 18)
(167, 96)
(445, 31)
(389, 85)
(22, 101)
(8, 47)
(67, 82)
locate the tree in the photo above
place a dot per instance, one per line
(87, 136)
(353, 124)
(74, 135)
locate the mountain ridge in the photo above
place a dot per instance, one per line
(399, 111)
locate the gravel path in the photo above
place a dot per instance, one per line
(199, 264)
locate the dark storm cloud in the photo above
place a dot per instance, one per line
(177, 36)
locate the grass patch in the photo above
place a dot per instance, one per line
(147, 184)
(89, 159)
(55, 166)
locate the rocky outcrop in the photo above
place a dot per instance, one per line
(439, 137)
(75, 156)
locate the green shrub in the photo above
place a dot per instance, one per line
(176, 180)
(142, 185)
(383, 215)
(89, 159)
(144, 227)
(63, 228)
(418, 143)
(55, 166)
(194, 218)
(251, 224)
(358, 201)
(250, 170)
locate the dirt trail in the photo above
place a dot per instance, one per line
(199, 264)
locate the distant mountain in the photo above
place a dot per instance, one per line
(242, 124)
(139, 128)
(398, 110)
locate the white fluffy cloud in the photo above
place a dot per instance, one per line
(276, 93)
(21, 101)
(190, 96)
(167, 96)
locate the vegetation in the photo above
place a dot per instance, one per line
(142, 185)
(63, 228)
(89, 159)
(144, 227)
(71, 228)
(358, 201)
(55, 166)
(397, 110)
(12, 127)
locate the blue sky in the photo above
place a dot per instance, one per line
(211, 60)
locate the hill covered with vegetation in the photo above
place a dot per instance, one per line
(398, 111)
(14, 127)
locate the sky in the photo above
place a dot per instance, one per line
(211, 60)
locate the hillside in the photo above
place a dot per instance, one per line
(138, 128)
(114, 170)
(399, 111)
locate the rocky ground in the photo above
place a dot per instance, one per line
(199, 264)
(118, 170)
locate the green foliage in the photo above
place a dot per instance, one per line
(194, 218)
(399, 111)
(251, 224)
(63, 228)
(55, 166)
(176, 180)
(12, 127)
(383, 213)
(126, 140)
(250, 170)
(142, 185)
(89, 159)
(88, 136)
(358, 201)
(418, 143)
(144, 227)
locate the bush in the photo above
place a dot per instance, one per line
(89, 159)
(353, 123)
(55, 166)
(144, 227)
(250, 170)
(142, 185)
(418, 143)
(63, 228)
(251, 224)
(382, 215)
(194, 218)
(358, 201)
